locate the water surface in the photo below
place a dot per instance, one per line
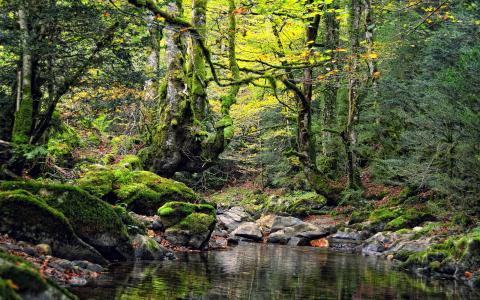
(263, 271)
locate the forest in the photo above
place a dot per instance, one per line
(141, 141)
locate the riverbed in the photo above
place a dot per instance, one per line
(266, 271)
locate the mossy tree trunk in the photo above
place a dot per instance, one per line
(186, 138)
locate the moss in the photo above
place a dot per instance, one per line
(133, 226)
(358, 216)
(18, 276)
(174, 212)
(97, 182)
(143, 191)
(384, 215)
(24, 277)
(464, 248)
(7, 290)
(409, 218)
(108, 159)
(306, 204)
(195, 223)
(131, 162)
(88, 215)
(92, 219)
(152, 245)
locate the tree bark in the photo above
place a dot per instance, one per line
(23, 122)
(349, 136)
(332, 37)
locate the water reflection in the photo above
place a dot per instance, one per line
(255, 271)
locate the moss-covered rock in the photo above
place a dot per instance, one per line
(193, 231)
(307, 204)
(92, 219)
(131, 162)
(26, 217)
(144, 192)
(455, 254)
(409, 218)
(173, 212)
(188, 224)
(20, 280)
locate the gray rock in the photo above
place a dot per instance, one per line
(298, 241)
(349, 235)
(232, 218)
(187, 239)
(313, 235)
(280, 223)
(248, 230)
(146, 248)
(87, 265)
(283, 236)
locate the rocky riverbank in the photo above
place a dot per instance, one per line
(425, 249)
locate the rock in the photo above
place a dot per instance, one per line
(349, 235)
(283, 236)
(248, 230)
(147, 248)
(28, 218)
(188, 225)
(174, 212)
(92, 219)
(77, 281)
(43, 249)
(314, 234)
(297, 241)
(232, 218)
(87, 265)
(347, 240)
(280, 223)
(144, 192)
(217, 243)
(16, 272)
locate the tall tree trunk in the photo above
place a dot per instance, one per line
(305, 137)
(23, 122)
(166, 152)
(197, 70)
(332, 37)
(151, 88)
(230, 99)
(349, 136)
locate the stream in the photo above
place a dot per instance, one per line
(266, 271)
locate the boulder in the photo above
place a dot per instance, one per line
(280, 223)
(143, 192)
(283, 236)
(173, 212)
(26, 217)
(232, 218)
(20, 280)
(194, 231)
(147, 248)
(247, 230)
(187, 224)
(92, 219)
(347, 240)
